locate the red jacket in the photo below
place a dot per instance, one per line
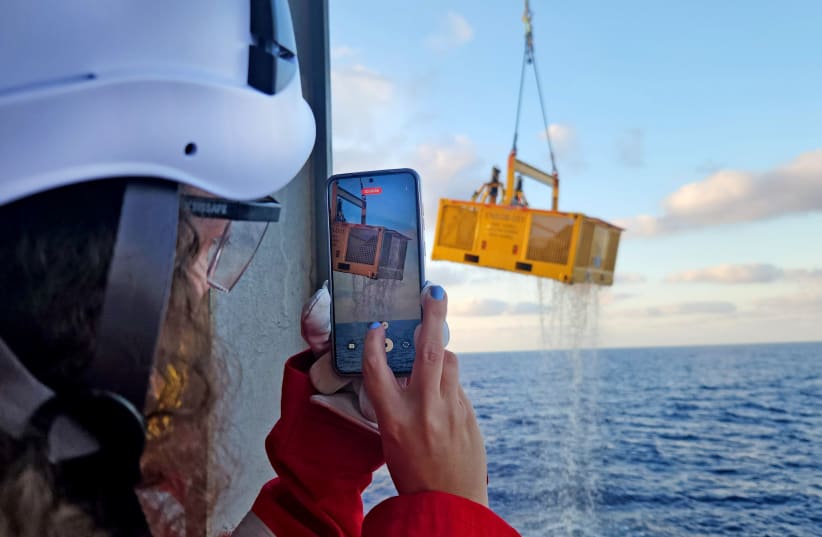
(324, 463)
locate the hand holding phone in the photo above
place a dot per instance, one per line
(430, 435)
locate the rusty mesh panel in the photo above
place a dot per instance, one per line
(610, 257)
(458, 227)
(362, 245)
(392, 257)
(549, 239)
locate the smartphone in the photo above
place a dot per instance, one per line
(376, 251)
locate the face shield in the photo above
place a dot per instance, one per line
(246, 224)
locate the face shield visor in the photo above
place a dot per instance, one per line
(246, 224)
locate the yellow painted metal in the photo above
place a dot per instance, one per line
(551, 180)
(509, 178)
(516, 166)
(569, 247)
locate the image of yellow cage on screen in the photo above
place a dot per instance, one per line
(376, 254)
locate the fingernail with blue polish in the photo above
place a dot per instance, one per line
(374, 325)
(437, 292)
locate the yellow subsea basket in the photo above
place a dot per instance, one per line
(568, 247)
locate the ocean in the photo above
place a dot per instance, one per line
(692, 441)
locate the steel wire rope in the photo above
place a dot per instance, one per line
(529, 57)
(544, 115)
(519, 99)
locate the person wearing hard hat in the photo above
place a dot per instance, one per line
(139, 145)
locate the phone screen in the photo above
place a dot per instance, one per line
(376, 267)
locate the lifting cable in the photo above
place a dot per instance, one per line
(528, 58)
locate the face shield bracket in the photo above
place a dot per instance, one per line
(263, 210)
(246, 225)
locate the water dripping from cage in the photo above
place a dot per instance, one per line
(569, 323)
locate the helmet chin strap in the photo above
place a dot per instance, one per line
(137, 293)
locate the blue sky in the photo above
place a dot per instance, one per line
(696, 125)
(394, 207)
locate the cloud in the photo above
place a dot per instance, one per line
(481, 307)
(372, 118)
(565, 144)
(804, 275)
(560, 134)
(732, 196)
(755, 273)
(630, 148)
(343, 51)
(528, 308)
(455, 31)
(708, 307)
(450, 274)
(447, 160)
(358, 95)
(445, 274)
(801, 304)
(374, 121)
(448, 169)
(750, 273)
(629, 278)
(606, 298)
(489, 307)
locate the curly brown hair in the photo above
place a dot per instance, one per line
(56, 248)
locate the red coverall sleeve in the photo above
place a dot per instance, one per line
(323, 464)
(434, 514)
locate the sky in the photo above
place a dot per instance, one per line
(695, 125)
(394, 206)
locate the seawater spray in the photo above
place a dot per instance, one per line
(569, 332)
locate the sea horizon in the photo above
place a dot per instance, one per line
(643, 347)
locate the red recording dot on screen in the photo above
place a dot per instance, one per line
(371, 190)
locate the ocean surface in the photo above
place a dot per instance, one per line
(692, 441)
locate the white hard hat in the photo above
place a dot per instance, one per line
(202, 92)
